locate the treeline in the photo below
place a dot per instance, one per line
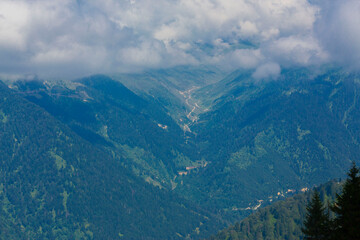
(315, 214)
(340, 219)
(281, 220)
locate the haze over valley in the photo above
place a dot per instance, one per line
(175, 120)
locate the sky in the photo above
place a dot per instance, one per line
(73, 38)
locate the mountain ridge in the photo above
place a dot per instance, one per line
(257, 141)
(56, 185)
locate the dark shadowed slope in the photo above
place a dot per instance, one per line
(109, 115)
(54, 184)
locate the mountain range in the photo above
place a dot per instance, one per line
(170, 154)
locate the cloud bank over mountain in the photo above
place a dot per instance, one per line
(66, 38)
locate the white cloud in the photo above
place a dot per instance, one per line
(13, 19)
(245, 58)
(296, 50)
(339, 32)
(66, 38)
(268, 70)
(248, 29)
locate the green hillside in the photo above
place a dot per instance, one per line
(281, 220)
(245, 143)
(138, 132)
(273, 136)
(57, 185)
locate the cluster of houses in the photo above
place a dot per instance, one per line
(199, 164)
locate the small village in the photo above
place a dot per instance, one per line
(189, 169)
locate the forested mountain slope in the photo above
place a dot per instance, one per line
(251, 142)
(265, 137)
(57, 185)
(281, 220)
(107, 114)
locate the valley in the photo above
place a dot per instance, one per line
(179, 120)
(191, 105)
(205, 144)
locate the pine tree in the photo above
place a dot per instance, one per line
(347, 208)
(316, 224)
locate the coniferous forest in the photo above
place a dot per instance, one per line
(330, 211)
(179, 119)
(346, 210)
(64, 141)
